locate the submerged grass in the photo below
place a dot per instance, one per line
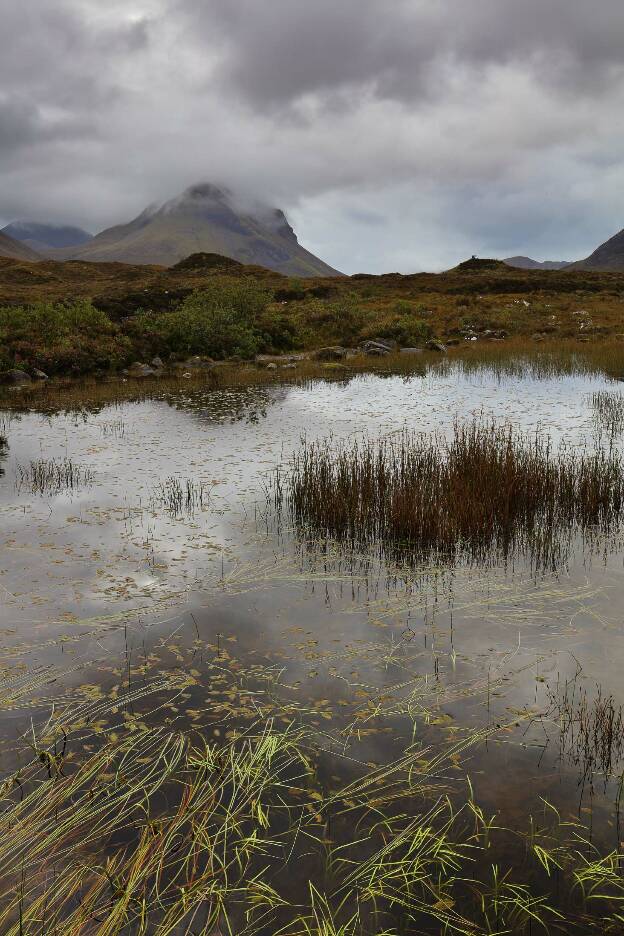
(489, 489)
(158, 832)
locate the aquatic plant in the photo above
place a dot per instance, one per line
(608, 411)
(489, 489)
(52, 476)
(181, 497)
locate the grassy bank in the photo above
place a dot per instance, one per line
(175, 313)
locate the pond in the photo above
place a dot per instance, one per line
(163, 556)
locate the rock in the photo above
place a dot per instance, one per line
(451, 342)
(194, 362)
(271, 366)
(377, 352)
(16, 376)
(289, 367)
(39, 374)
(377, 346)
(138, 369)
(157, 363)
(411, 351)
(436, 346)
(335, 353)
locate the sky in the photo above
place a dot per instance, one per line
(398, 135)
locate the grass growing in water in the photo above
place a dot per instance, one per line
(608, 410)
(52, 476)
(489, 489)
(181, 497)
(159, 832)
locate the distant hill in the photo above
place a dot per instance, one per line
(46, 239)
(204, 219)
(526, 263)
(608, 257)
(480, 265)
(9, 247)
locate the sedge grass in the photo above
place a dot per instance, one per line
(488, 490)
(53, 476)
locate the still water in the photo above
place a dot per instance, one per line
(103, 584)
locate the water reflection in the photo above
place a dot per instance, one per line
(104, 587)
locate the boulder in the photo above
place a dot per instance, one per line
(138, 369)
(451, 342)
(39, 374)
(16, 376)
(289, 367)
(436, 346)
(157, 363)
(377, 346)
(411, 351)
(271, 366)
(335, 353)
(197, 361)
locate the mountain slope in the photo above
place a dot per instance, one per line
(609, 256)
(12, 248)
(205, 219)
(46, 238)
(526, 263)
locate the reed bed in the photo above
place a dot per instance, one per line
(181, 497)
(487, 490)
(608, 409)
(53, 476)
(591, 730)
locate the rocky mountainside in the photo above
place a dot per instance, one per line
(608, 257)
(46, 239)
(526, 263)
(204, 219)
(9, 247)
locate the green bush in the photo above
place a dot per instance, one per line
(219, 320)
(59, 337)
(405, 330)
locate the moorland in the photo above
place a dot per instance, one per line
(79, 317)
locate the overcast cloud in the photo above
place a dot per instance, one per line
(396, 134)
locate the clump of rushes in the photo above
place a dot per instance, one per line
(488, 490)
(181, 497)
(51, 476)
(608, 410)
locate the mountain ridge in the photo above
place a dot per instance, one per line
(15, 250)
(527, 263)
(45, 239)
(609, 256)
(204, 219)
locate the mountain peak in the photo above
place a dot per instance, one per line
(609, 256)
(207, 219)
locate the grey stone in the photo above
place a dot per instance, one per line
(438, 346)
(335, 353)
(157, 363)
(375, 345)
(411, 350)
(16, 376)
(138, 369)
(39, 374)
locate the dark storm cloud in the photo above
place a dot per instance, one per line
(396, 134)
(277, 52)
